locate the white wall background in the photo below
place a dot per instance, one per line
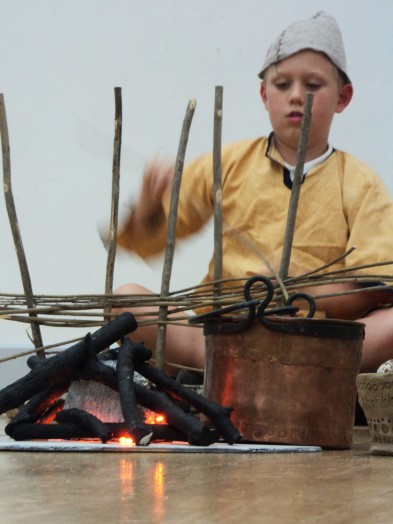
(59, 63)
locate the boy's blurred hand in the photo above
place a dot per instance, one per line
(157, 179)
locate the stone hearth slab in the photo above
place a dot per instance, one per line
(7, 444)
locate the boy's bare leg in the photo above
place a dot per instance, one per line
(184, 345)
(378, 342)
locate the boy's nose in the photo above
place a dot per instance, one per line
(297, 94)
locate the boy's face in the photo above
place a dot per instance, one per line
(283, 93)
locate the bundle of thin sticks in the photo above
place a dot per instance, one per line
(87, 310)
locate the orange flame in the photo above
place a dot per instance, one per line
(153, 418)
(150, 418)
(126, 441)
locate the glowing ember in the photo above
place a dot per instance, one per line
(126, 441)
(153, 418)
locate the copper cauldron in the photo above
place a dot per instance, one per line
(289, 381)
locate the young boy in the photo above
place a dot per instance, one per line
(342, 203)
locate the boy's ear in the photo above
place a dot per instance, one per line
(344, 97)
(263, 94)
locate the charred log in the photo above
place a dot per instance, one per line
(70, 431)
(197, 433)
(218, 415)
(93, 369)
(87, 421)
(49, 431)
(34, 361)
(125, 376)
(37, 407)
(50, 414)
(63, 364)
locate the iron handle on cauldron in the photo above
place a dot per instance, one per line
(216, 321)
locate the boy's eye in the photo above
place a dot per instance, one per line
(313, 86)
(282, 85)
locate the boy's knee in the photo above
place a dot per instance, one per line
(131, 289)
(130, 306)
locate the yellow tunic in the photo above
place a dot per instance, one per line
(342, 204)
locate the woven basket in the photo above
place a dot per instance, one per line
(375, 392)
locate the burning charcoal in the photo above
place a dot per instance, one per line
(161, 432)
(70, 431)
(86, 420)
(50, 414)
(60, 367)
(196, 432)
(219, 416)
(80, 362)
(36, 408)
(73, 424)
(125, 375)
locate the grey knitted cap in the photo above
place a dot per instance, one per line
(319, 33)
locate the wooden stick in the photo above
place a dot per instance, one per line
(217, 194)
(171, 233)
(110, 265)
(297, 182)
(11, 210)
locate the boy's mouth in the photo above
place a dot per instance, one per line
(295, 116)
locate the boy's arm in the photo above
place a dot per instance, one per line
(351, 306)
(368, 208)
(144, 230)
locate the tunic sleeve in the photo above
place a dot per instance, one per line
(369, 212)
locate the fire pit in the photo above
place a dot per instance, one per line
(39, 396)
